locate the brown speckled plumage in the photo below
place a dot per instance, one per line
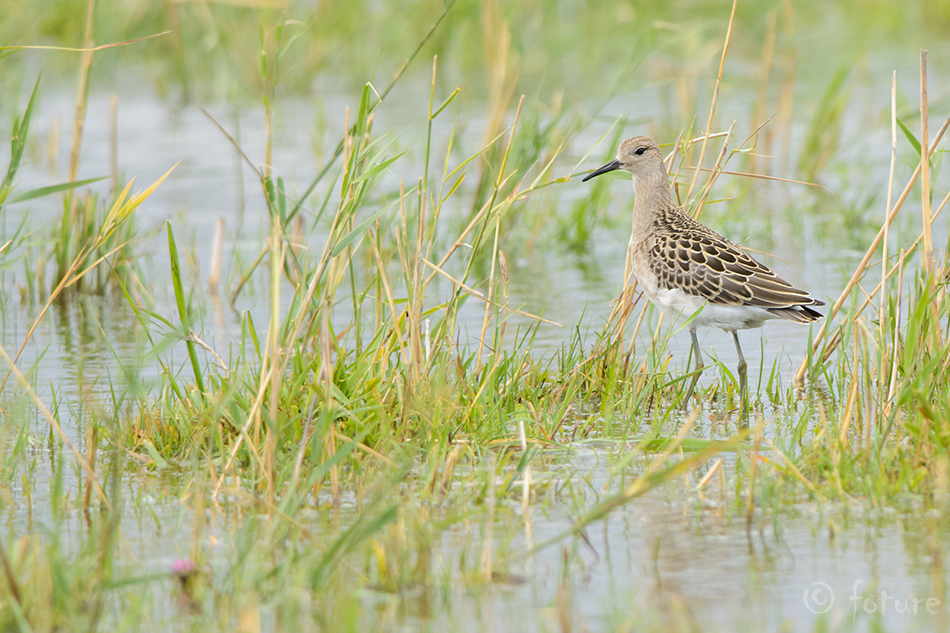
(689, 270)
(686, 255)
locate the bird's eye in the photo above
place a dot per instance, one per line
(640, 151)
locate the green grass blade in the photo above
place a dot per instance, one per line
(18, 144)
(182, 308)
(32, 194)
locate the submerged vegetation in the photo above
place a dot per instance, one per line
(350, 459)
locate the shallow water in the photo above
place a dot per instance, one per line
(671, 556)
(568, 288)
(673, 559)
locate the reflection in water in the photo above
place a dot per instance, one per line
(674, 556)
(212, 182)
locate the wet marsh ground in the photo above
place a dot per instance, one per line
(425, 394)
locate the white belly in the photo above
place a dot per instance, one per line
(681, 306)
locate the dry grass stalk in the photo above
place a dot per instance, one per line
(712, 107)
(114, 139)
(83, 95)
(216, 252)
(863, 265)
(761, 104)
(852, 398)
(717, 169)
(927, 258)
(786, 102)
(890, 190)
(494, 251)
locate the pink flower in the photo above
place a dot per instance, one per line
(184, 567)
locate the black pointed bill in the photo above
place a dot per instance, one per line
(613, 165)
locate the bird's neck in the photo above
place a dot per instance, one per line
(651, 194)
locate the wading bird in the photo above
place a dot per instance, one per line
(687, 269)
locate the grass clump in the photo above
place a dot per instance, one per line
(354, 449)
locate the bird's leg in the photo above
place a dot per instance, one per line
(698, 365)
(743, 383)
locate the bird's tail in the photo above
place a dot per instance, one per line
(798, 314)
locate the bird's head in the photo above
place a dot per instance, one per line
(639, 155)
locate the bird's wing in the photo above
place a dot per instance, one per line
(704, 264)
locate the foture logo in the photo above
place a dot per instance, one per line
(820, 598)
